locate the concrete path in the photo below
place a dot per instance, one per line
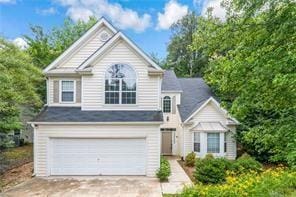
(124, 186)
(177, 180)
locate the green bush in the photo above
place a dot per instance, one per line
(210, 170)
(245, 164)
(271, 182)
(164, 170)
(190, 159)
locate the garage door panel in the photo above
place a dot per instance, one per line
(98, 157)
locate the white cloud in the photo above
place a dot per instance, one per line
(173, 12)
(77, 13)
(47, 11)
(124, 18)
(7, 1)
(21, 43)
(218, 10)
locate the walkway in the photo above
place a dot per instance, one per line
(177, 180)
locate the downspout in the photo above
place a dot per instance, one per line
(34, 149)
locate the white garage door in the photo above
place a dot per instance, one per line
(98, 157)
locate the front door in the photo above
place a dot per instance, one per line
(166, 143)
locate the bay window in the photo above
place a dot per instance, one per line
(213, 142)
(196, 145)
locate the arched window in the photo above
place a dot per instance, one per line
(166, 104)
(120, 85)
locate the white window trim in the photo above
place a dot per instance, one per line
(171, 105)
(74, 91)
(120, 93)
(204, 144)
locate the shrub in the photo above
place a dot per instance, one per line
(190, 159)
(210, 170)
(245, 164)
(271, 182)
(164, 170)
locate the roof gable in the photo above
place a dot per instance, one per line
(79, 42)
(111, 42)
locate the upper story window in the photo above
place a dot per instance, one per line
(67, 91)
(167, 104)
(120, 85)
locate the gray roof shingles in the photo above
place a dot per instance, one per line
(195, 93)
(170, 82)
(75, 114)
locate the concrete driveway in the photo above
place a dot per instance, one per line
(88, 186)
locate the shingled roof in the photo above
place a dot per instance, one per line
(195, 93)
(75, 114)
(170, 82)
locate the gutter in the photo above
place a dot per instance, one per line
(97, 123)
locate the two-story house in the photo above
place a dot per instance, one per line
(111, 110)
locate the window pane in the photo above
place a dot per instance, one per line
(112, 85)
(67, 85)
(128, 84)
(225, 142)
(196, 147)
(166, 104)
(67, 96)
(196, 142)
(128, 98)
(120, 71)
(213, 142)
(112, 97)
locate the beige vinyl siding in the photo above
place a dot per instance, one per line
(94, 85)
(231, 143)
(84, 51)
(207, 114)
(43, 133)
(53, 83)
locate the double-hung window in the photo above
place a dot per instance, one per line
(120, 85)
(67, 91)
(213, 142)
(196, 145)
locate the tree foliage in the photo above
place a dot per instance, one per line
(18, 79)
(44, 47)
(251, 66)
(181, 58)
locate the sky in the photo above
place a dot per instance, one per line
(146, 22)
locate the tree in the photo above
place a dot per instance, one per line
(186, 62)
(18, 79)
(45, 47)
(251, 66)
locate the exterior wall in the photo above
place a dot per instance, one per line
(173, 120)
(207, 114)
(231, 143)
(43, 133)
(84, 51)
(51, 92)
(93, 85)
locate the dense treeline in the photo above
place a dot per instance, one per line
(248, 58)
(250, 62)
